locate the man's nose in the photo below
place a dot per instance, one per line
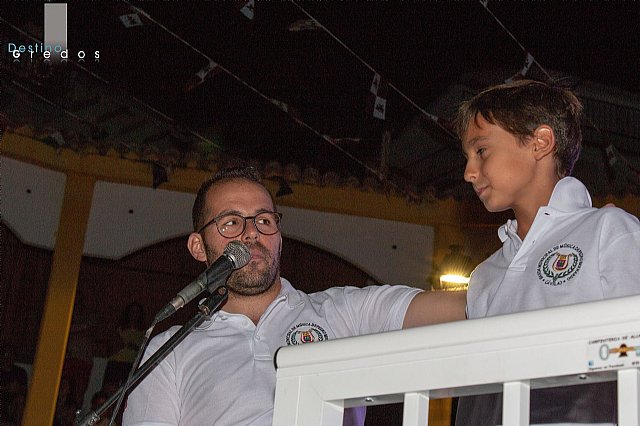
(250, 231)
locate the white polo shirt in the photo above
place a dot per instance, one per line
(573, 253)
(223, 373)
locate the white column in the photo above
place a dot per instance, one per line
(629, 397)
(515, 403)
(285, 408)
(297, 402)
(416, 409)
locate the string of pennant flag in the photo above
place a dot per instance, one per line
(379, 87)
(611, 154)
(212, 68)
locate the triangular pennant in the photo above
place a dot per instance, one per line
(283, 106)
(346, 140)
(379, 89)
(131, 20)
(248, 9)
(204, 72)
(284, 187)
(210, 70)
(523, 72)
(304, 25)
(160, 175)
(512, 78)
(379, 108)
(375, 84)
(433, 118)
(527, 65)
(55, 140)
(611, 155)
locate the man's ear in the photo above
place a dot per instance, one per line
(543, 142)
(196, 247)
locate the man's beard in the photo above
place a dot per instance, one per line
(253, 278)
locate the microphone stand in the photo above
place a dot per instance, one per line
(209, 306)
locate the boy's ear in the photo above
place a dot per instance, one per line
(544, 141)
(196, 247)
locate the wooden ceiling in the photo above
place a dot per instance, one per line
(287, 85)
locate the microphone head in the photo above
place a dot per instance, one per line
(238, 253)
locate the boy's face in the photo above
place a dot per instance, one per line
(500, 168)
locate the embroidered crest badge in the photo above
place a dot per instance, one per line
(560, 264)
(306, 332)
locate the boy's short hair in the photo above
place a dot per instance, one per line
(199, 212)
(521, 106)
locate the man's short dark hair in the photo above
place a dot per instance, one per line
(521, 106)
(199, 211)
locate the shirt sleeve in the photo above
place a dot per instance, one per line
(155, 401)
(619, 254)
(372, 309)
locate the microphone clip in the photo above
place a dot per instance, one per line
(214, 302)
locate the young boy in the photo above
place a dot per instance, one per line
(521, 141)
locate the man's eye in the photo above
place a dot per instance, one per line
(264, 220)
(231, 222)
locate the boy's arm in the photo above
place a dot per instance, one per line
(433, 307)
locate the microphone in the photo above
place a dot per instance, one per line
(235, 256)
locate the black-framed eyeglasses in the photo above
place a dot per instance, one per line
(232, 225)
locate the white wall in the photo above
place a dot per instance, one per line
(391, 252)
(126, 218)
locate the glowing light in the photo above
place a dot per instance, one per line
(454, 282)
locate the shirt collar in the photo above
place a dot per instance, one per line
(568, 195)
(289, 293)
(508, 230)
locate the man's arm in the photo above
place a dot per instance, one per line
(155, 399)
(433, 307)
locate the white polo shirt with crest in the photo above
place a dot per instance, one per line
(573, 253)
(223, 373)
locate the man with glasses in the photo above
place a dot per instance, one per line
(223, 373)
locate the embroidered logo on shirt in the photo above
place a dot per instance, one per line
(560, 264)
(306, 332)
